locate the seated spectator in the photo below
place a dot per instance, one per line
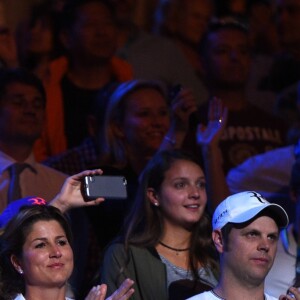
(246, 237)
(89, 38)
(37, 257)
(226, 62)
(166, 246)
(22, 117)
(162, 122)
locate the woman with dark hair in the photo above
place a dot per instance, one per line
(36, 257)
(166, 247)
(19, 239)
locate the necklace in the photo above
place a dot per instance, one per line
(215, 294)
(177, 250)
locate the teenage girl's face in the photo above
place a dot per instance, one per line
(47, 258)
(182, 197)
(146, 120)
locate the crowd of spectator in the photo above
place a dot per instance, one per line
(176, 96)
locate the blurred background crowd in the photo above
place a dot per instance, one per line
(92, 83)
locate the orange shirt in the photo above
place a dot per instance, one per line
(53, 140)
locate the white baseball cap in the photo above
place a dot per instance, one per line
(244, 206)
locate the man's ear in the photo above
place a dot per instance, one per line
(152, 196)
(16, 263)
(218, 240)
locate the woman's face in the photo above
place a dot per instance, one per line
(146, 120)
(47, 258)
(182, 197)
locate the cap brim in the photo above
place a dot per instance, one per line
(280, 217)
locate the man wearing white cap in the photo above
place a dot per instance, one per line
(245, 232)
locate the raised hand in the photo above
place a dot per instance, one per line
(217, 118)
(71, 196)
(208, 139)
(182, 106)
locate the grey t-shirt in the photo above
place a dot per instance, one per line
(175, 273)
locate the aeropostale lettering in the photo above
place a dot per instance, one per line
(248, 133)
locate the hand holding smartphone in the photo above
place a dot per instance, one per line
(108, 187)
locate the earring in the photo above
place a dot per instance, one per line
(156, 203)
(20, 271)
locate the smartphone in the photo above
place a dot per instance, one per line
(108, 187)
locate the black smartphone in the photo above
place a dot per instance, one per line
(108, 187)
